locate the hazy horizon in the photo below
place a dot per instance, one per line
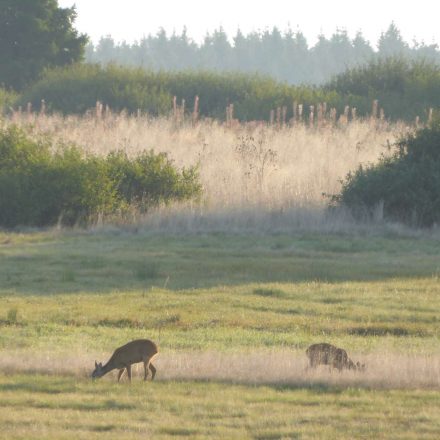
(132, 19)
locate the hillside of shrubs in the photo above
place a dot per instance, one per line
(403, 186)
(42, 184)
(404, 89)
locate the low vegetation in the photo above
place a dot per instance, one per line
(404, 90)
(38, 406)
(7, 99)
(254, 176)
(403, 186)
(77, 89)
(231, 347)
(41, 184)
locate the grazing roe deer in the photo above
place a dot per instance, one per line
(327, 354)
(140, 350)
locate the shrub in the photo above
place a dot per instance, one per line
(150, 179)
(7, 98)
(407, 183)
(78, 88)
(405, 89)
(41, 185)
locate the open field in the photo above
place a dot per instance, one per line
(233, 314)
(233, 289)
(64, 408)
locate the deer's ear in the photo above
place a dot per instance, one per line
(96, 364)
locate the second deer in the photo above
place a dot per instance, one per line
(327, 354)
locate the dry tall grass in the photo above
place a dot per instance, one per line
(257, 172)
(264, 367)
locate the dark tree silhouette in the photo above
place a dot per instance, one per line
(35, 34)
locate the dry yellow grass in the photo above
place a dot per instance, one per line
(254, 176)
(305, 163)
(384, 370)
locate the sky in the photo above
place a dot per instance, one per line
(130, 20)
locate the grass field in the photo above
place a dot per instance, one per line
(249, 167)
(233, 315)
(53, 407)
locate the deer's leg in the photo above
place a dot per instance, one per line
(121, 372)
(146, 369)
(313, 363)
(153, 371)
(129, 372)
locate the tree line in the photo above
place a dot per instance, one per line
(285, 56)
(45, 61)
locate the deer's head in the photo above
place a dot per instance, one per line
(360, 367)
(97, 371)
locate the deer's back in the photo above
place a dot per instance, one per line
(324, 353)
(322, 348)
(134, 351)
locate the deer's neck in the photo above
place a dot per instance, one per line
(109, 366)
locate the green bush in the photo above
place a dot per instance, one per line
(407, 183)
(405, 89)
(151, 179)
(7, 99)
(76, 89)
(39, 186)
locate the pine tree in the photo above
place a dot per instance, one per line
(35, 34)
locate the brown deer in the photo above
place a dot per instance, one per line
(140, 350)
(327, 354)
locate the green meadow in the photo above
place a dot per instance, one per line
(232, 315)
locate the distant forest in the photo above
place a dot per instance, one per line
(285, 56)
